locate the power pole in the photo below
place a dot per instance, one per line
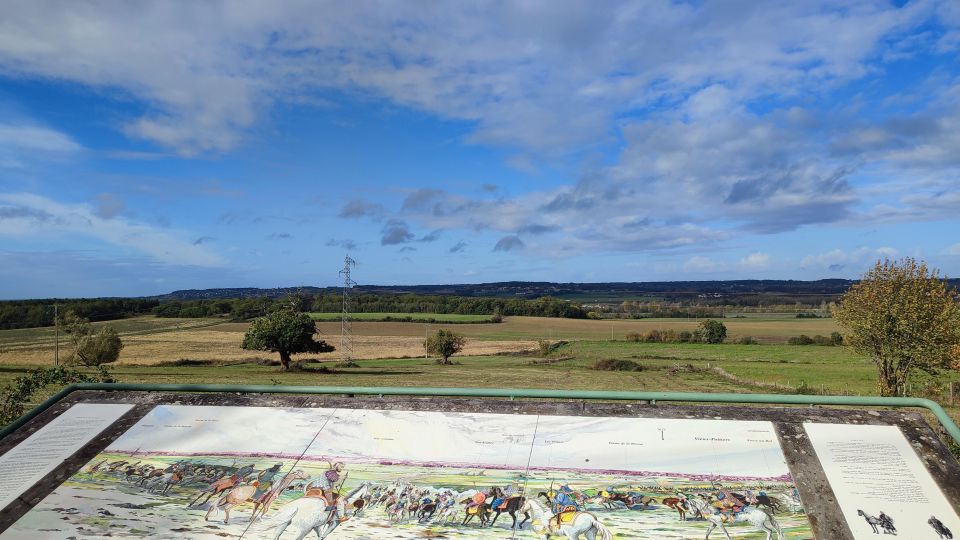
(56, 324)
(346, 327)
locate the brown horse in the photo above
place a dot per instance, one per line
(481, 511)
(215, 488)
(235, 496)
(678, 505)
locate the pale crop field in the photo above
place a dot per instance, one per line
(148, 340)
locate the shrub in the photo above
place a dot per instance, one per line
(616, 364)
(635, 337)
(745, 340)
(544, 347)
(711, 331)
(685, 336)
(593, 315)
(836, 338)
(17, 394)
(497, 316)
(802, 339)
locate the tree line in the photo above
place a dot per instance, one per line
(36, 313)
(246, 308)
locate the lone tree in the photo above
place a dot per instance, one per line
(445, 344)
(711, 331)
(903, 316)
(91, 348)
(286, 332)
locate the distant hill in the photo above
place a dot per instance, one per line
(534, 289)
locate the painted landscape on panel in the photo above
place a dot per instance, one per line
(211, 472)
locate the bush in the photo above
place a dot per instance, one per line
(616, 364)
(635, 337)
(808, 316)
(593, 315)
(832, 340)
(497, 316)
(15, 396)
(544, 347)
(685, 336)
(711, 331)
(804, 389)
(745, 340)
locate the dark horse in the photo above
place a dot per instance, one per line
(510, 506)
(772, 504)
(426, 511)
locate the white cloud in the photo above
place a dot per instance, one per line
(699, 263)
(951, 250)
(755, 261)
(24, 215)
(538, 75)
(847, 262)
(21, 142)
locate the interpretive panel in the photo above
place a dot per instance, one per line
(880, 483)
(212, 472)
(47, 449)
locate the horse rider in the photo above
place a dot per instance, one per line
(887, 523)
(727, 504)
(242, 473)
(325, 486)
(565, 501)
(265, 480)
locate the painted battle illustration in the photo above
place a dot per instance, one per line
(213, 472)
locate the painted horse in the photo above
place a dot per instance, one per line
(572, 524)
(760, 519)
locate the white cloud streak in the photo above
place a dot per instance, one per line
(25, 215)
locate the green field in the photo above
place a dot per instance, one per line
(153, 347)
(405, 317)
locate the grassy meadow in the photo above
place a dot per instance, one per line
(406, 317)
(158, 350)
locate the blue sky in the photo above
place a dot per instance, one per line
(152, 147)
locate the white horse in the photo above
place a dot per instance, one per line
(757, 517)
(447, 515)
(308, 514)
(698, 507)
(304, 514)
(583, 523)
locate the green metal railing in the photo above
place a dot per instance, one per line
(511, 393)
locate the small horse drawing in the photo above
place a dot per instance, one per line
(698, 507)
(941, 529)
(678, 505)
(772, 503)
(164, 482)
(760, 519)
(236, 496)
(583, 523)
(510, 506)
(215, 488)
(481, 511)
(873, 521)
(883, 520)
